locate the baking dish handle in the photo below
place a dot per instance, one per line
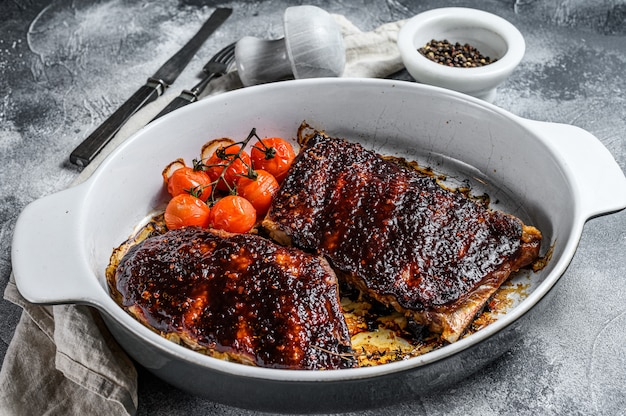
(49, 262)
(600, 180)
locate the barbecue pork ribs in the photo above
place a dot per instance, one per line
(397, 235)
(238, 297)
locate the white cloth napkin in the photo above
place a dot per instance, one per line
(62, 360)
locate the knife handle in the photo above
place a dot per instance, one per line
(85, 152)
(185, 97)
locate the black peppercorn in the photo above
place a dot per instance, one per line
(456, 55)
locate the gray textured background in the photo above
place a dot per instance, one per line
(66, 65)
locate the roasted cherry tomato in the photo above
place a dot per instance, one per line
(225, 158)
(191, 181)
(258, 190)
(274, 155)
(234, 214)
(186, 210)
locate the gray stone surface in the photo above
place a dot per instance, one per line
(66, 65)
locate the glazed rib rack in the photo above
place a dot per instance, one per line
(238, 297)
(431, 253)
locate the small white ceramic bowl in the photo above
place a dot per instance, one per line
(492, 35)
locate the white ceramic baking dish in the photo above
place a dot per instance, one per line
(553, 176)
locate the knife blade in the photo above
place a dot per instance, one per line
(165, 76)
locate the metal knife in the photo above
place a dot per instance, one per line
(154, 87)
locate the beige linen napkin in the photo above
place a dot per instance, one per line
(62, 360)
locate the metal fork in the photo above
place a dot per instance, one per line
(217, 66)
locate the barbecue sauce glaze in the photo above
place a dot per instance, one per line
(239, 295)
(394, 229)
